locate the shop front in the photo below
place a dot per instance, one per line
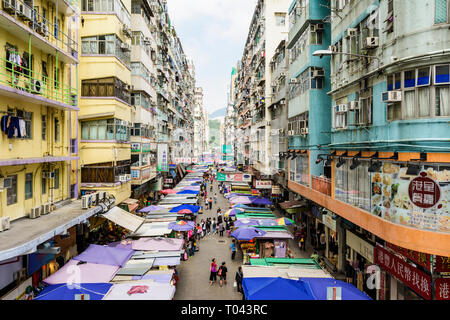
(330, 252)
(402, 280)
(359, 256)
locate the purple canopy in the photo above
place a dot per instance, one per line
(121, 245)
(245, 222)
(195, 188)
(82, 273)
(180, 227)
(164, 277)
(243, 200)
(158, 244)
(267, 222)
(151, 208)
(247, 233)
(105, 255)
(260, 201)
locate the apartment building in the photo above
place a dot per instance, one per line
(268, 27)
(378, 142)
(200, 126)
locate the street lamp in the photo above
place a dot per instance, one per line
(322, 53)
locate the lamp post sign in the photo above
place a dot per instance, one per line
(334, 293)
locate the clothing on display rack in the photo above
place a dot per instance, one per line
(13, 126)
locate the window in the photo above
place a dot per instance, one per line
(57, 129)
(56, 179)
(115, 6)
(442, 74)
(109, 44)
(280, 18)
(353, 186)
(44, 126)
(442, 11)
(11, 193)
(108, 129)
(43, 185)
(442, 101)
(363, 115)
(339, 118)
(28, 186)
(390, 18)
(72, 191)
(105, 87)
(104, 172)
(73, 145)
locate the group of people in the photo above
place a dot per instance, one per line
(222, 272)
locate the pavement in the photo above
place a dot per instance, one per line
(193, 283)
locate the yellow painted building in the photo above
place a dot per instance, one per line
(105, 86)
(38, 105)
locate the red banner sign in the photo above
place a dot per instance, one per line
(420, 258)
(442, 288)
(417, 280)
(442, 264)
(424, 192)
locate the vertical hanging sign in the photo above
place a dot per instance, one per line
(163, 160)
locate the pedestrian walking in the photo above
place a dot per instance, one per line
(211, 187)
(199, 231)
(208, 226)
(222, 273)
(219, 218)
(214, 226)
(238, 278)
(233, 249)
(192, 242)
(221, 229)
(203, 227)
(213, 270)
(210, 203)
(215, 198)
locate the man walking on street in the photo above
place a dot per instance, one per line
(221, 228)
(233, 249)
(210, 203)
(222, 273)
(214, 226)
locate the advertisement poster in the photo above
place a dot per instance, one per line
(266, 184)
(135, 147)
(417, 201)
(163, 160)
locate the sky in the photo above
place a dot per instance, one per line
(213, 33)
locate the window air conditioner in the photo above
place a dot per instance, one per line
(372, 42)
(128, 177)
(318, 73)
(291, 133)
(304, 131)
(5, 183)
(48, 175)
(10, 5)
(353, 105)
(5, 223)
(341, 108)
(126, 31)
(332, 48)
(312, 27)
(26, 12)
(125, 46)
(35, 213)
(352, 32)
(45, 208)
(283, 74)
(123, 178)
(320, 26)
(391, 96)
(293, 80)
(36, 86)
(85, 201)
(282, 102)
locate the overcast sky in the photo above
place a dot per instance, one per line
(213, 34)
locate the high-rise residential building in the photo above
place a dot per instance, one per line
(199, 146)
(267, 28)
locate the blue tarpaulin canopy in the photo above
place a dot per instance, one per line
(193, 208)
(319, 289)
(302, 289)
(189, 192)
(96, 291)
(275, 289)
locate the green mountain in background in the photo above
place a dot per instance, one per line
(214, 133)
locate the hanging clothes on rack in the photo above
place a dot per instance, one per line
(5, 123)
(22, 128)
(13, 128)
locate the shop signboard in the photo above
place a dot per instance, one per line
(276, 190)
(442, 264)
(263, 184)
(221, 177)
(417, 280)
(226, 148)
(187, 160)
(163, 158)
(194, 160)
(416, 201)
(82, 296)
(234, 177)
(420, 258)
(442, 289)
(168, 180)
(135, 147)
(359, 245)
(328, 220)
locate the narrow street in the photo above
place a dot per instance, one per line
(194, 274)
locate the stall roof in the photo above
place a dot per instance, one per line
(136, 267)
(276, 235)
(124, 219)
(178, 201)
(286, 261)
(152, 229)
(155, 291)
(287, 272)
(167, 261)
(292, 204)
(255, 216)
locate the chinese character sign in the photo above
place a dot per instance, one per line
(163, 160)
(424, 192)
(261, 184)
(420, 258)
(442, 288)
(417, 280)
(442, 264)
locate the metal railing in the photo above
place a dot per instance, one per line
(25, 79)
(321, 184)
(29, 16)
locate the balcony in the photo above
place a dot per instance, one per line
(20, 19)
(140, 175)
(323, 185)
(25, 84)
